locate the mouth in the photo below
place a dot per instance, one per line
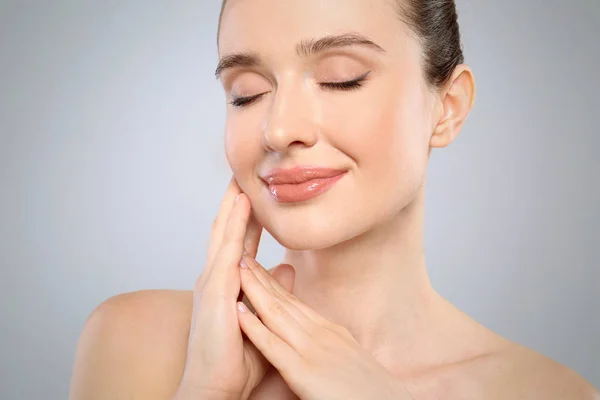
(301, 183)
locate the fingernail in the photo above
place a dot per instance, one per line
(242, 307)
(237, 198)
(243, 263)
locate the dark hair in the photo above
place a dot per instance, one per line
(435, 25)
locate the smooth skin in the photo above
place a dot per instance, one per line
(189, 345)
(350, 312)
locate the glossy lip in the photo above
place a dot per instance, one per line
(301, 183)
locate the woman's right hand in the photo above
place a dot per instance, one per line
(221, 363)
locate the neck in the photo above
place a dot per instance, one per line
(376, 284)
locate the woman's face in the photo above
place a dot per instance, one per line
(284, 113)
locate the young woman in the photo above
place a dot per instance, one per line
(334, 107)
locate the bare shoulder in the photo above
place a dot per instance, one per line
(534, 375)
(517, 372)
(509, 371)
(133, 346)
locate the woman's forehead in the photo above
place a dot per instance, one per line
(248, 25)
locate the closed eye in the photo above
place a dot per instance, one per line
(346, 85)
(245, 101)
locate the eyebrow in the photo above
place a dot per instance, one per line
(305, 48)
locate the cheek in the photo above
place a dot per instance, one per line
(242, 148)
(386, 134)
(409, 132)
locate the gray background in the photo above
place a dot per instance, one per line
(112, 169)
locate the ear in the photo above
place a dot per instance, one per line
(457, 99)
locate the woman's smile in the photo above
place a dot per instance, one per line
(301, 183)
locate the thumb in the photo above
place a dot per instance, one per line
(285, 275)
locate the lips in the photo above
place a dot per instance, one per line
(301, 183)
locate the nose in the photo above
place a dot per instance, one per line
(290, 123)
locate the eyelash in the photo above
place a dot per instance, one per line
(354, 84)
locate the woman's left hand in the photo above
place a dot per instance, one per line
(317, 358)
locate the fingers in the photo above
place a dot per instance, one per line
(268, 280)
(279, 353)
(256, 359)
(283, 275)
(221, 282)
(252, 239)
(278, 314)
(220, 222)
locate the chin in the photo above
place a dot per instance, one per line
(309, 236)
(309, 226)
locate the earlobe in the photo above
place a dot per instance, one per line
(457, 101)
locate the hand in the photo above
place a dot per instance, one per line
(317, 358)
(220, 363)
